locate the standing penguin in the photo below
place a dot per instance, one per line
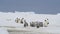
(46, 23)
(22, 20)
(17, 20)
(25, 23)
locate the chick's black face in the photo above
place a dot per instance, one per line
(48, 23)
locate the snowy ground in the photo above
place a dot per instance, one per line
(7, 21)
(36, 31)
(30, 31)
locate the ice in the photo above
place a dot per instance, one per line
(3, 31)
(8, 19)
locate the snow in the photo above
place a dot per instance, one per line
(8, 20)
(3, 31)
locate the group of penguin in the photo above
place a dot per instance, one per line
(21, 21)
(32, 24)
